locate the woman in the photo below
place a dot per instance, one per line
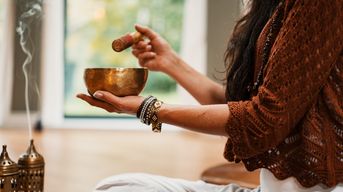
(282, 107)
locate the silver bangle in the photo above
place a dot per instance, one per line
(143, 115)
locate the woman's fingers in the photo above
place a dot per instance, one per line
(149, 62)
(112, 103)
(147, 55)
(141, 45)
(146, 31)
(97, 103)
(148, 48)
(128, 104)
(108, 98)
(136, 52)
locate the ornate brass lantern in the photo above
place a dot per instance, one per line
(31, 171)
(8, 172)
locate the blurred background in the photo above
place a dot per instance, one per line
(100, 23)
(71, 35)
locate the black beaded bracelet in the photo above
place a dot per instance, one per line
(144, 115)
(139, 111)
(147, 112)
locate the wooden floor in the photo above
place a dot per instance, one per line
(77, 159)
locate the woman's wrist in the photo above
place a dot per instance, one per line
(147, 113)
(177, 65)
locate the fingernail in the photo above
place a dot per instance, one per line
(98, 94)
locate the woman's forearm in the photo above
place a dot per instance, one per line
(203, 89)
(210, 119)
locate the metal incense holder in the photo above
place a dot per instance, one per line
(31, 171)
(9, 172)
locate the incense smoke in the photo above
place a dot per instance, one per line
(32, 11)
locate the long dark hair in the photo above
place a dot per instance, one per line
(240, 51)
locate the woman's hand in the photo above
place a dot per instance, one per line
(112, 103)
(155, 54)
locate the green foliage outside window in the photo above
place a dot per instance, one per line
(92, 25)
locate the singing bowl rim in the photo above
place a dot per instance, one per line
(135, 87)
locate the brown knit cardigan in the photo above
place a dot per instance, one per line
(293, 125)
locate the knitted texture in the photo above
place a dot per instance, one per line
(293, 125)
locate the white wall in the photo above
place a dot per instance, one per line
(221, 18)
(52, 63)
(6, 62)
(194, 43)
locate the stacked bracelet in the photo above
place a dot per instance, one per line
(147, 112)
(156, 125)
(139, 111)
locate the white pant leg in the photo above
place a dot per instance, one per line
(237, 188)
(137, 182)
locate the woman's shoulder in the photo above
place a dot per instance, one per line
(308, 5)
(323, 13)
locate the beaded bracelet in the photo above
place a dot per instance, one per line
(138, 114)
(147, 112)
(144, 113)
(156, 125)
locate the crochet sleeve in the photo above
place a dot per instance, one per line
(304, 52)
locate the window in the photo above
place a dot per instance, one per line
(54, 96)
(91, 26)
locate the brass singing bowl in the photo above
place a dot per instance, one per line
(119, 81)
